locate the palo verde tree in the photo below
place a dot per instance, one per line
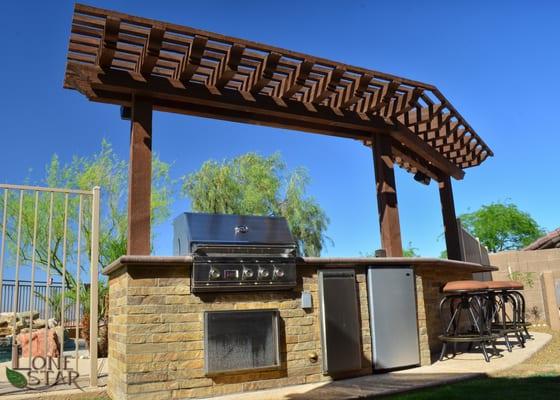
(255, 185)
(104, 169)
(502, 226)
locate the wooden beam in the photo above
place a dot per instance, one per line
(388, 92)
(150, 52)
(140, 178)
(228, 66)
(328, 89)
(108, 42)
(387, 197)
(410, 101)
(263, 75)
(418, 146)
(450, 225)
(191, 61)
(297, 80)
(357, 93)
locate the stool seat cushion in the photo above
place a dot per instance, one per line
(464, 286)
(505, 285)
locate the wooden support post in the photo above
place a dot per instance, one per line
(387, 197)
(140, 178)
(449, 219)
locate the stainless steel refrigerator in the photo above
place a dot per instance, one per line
(393, 317)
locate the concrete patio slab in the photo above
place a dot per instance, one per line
(463, 366)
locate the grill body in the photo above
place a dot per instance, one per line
(237, 252)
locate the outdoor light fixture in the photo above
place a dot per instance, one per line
(422, 178)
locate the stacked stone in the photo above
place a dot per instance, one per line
(157, 339)
(22, 322)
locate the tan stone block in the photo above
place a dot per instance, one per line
(146, 377)
(144, 348)
(142, 282)
(152, 387)
(147, 328)
(148, 396)
(178, 336)
(139, 358)
(194, 345)
(181, 317)
(138, 338)
(185, 327)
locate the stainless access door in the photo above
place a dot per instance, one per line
(340, 321)
(393, 319)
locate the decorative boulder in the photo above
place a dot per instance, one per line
(38, 344)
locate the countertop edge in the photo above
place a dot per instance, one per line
(334, 262)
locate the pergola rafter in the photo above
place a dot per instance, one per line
(113, 42)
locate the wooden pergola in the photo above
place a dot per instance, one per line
(145, 65)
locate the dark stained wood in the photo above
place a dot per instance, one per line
(150, 52)
(357, 94)
(296, 86)
(418, 146)
(298, 81)
(329, 89)
(410, 102)
(140, 178)
(228, 67)
(449, 219)
(108, 42)
(192, 59)
(386, 95)
(387, 197)
(263, 74)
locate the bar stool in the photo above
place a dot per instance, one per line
(502, 293)
(469, 316)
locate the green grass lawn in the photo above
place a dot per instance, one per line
(534, 379)
(533, 388)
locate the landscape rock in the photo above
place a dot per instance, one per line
(38, 343)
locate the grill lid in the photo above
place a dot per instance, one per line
(195, 229)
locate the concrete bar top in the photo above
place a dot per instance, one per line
(323, 262)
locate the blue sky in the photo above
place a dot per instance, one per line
(497, 62)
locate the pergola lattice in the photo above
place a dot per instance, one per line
(144, 65)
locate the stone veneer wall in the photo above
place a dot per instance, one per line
(156, 332)
(429, 282)
(156, 335)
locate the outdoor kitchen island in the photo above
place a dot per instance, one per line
(157, 325)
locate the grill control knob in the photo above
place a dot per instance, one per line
(279, 272)
(248, 273)
(214, 273)
(264, 273)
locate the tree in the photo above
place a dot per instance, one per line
(104, 169)
(502, 226)
(410, 251)
(255, 185)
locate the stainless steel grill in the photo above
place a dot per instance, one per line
(236, 252)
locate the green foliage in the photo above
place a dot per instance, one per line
(410, 251)
(502, 226)
(104, 169)
(527, 278)
(443, 254)
(255, 185)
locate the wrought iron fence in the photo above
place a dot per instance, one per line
(47, 234)
(38, 299)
